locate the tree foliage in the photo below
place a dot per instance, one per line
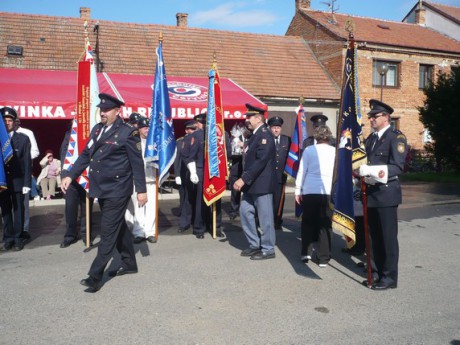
(441, 116)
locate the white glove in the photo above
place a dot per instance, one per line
(378, 172)
(193, 176)
(25, 190)
(178, 180)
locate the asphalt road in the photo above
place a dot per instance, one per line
(191, 291)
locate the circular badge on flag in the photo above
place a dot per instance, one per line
(187, 92)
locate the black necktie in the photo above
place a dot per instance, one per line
(374, 139)
(277, 141)
(102, 133)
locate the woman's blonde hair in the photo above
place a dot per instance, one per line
(322, 134)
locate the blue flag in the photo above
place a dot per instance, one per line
(6, 154)
(160, 148)
(350, 152)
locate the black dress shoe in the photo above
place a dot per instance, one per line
(18, 247)
(152, 239)
(67, 243)
(6, 246)
(138, 239)
(25, 235)
(383, 286)
(199, 236)
(92, 284)
(232, 216)
(249, 252)
(181, 230)
(263, 256)
(122, 271)
(220, 234)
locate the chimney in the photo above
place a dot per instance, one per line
(420, 14)
(85, 13)
(182, 19)
(302, 5)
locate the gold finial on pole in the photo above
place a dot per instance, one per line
(160, 36)
(350, 27)
(301, 100)
(214, 60)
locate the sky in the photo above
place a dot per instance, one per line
(254, 16)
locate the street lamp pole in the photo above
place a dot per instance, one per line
(382, 69)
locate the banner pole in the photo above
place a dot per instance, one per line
(88, 223)
(366, 234)
(156, 203)
(214, 219)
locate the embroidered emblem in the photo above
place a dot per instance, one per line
(135, 133)
(401, 147)
(139, 147)
(264, 141)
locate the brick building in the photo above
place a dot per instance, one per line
(412, 53)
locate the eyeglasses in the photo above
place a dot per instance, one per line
(374, 116)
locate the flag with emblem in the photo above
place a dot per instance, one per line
(6, 154)
(350, 151)
(87, 112)
(161, 144)
(215, 156)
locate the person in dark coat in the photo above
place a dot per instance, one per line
(282, 146)
(180, 170)
(386, 150)
(317, 120)
(257, 184)
(18, 172)
(116, 166)
(75, 198)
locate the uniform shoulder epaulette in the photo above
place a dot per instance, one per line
(399, 134)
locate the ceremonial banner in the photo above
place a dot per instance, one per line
(297, 139)
(161, 143)
(215, 157)
(6, 154)
(87, 114)
(350, 151)
(295, 150)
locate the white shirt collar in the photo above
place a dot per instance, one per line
(380, 133)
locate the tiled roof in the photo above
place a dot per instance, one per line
(383, 32)
(265, 65)
(448, 11)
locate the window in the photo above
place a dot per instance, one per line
(394, 123)
(390, 79)
(425, 76)
(14, 50)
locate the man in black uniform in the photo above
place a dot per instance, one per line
(282, 145)
(386, 152)
(317, 120)
(113, 154)
(134, 118)
(75, 197)
(18, 178)
(180, 170)
(257, 184)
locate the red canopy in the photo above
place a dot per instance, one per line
(42, 94)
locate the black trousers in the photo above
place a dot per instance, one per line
(278, 199)
(316, 225)
(186, 211)
(12, 205)
(383, 229)
(114, 235)
(75, 198)
(235, 196)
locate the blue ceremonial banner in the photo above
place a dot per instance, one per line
(161, 144)
(211, 134)
(7, 153)
(350, 152)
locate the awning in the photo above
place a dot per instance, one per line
(42, 94)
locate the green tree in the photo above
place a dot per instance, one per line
(441, 116)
